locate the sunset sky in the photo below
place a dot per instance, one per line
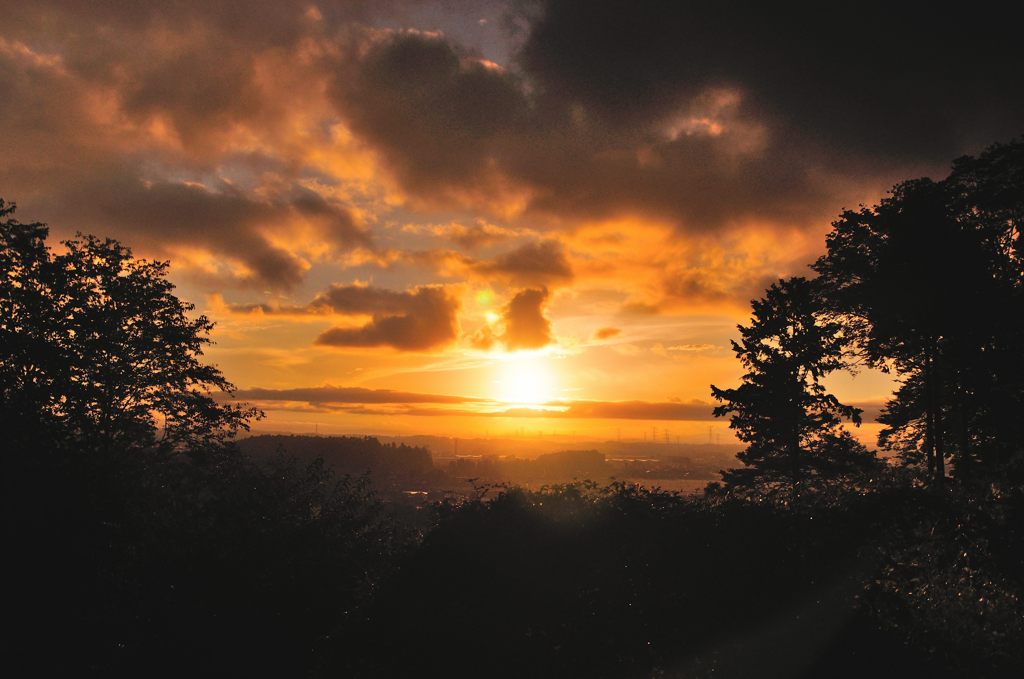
(440, 217)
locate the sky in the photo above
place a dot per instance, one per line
(487, 218)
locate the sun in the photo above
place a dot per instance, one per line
(526, 379)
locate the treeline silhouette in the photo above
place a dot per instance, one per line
(139, 540)
(351, 455)
(929, 285)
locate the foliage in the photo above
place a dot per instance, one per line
(929, 283)
(204, 564)
(623, 581)
(950, 581)
(782, 411)
(140, 540)
(96, 349)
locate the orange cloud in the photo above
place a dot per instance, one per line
(526, 327)
(534, 263)
(416, 320)
(524, 324)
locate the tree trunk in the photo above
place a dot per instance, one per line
(938, 428)
(794, 461)
(929, 409)
(964, 436)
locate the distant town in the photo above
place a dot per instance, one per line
(429, 467)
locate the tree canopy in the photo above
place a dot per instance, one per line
(930, 285)
(782, 411)
(96, 350)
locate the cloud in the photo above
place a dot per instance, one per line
(871, 410)
(229, 221)
(472, 236)
(354, 399)
(415, 320)
(199, 125)
(691, 348)
(526, 327)
(639, 410)
(361, 401)
(418, 319)
(436, 113)
(141, 143)
(584, 410)
(919, 88)
(606, 333)
(447, 124)
(522, 324)
(534, 263)
(478, 234)
(336, 395)
(708, 116)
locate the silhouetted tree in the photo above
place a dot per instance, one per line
(782, 411)
(929, 284)
(791, 424)
(95, 348)
(986, 194)
(133, 558)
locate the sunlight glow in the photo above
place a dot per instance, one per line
(526, 379)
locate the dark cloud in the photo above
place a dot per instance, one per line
(328, 395)
(228, 221)
(584, 410)
(871, 410)
(83, 150)
(197, 69)
(598, 410)
(416, 320)
(535, 263)
(199, 93)
(437, 114)
(339, 227)
(354, 400)
(907, 80)
(523, 324)
(447, 125)
(716, 284)
(477, 234)
(639, 410)
(706, 114)
(260, 22)
(526, 327)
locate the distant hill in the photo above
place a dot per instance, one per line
(347, 454)
(711, 455)
(432, 463)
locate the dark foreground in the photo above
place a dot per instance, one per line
(210, 564)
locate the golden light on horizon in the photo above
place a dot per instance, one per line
(526, 378)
